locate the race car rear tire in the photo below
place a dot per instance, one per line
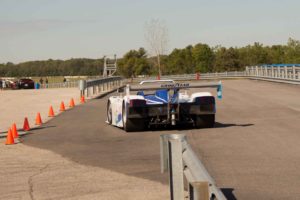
(131, 125)
(109, 112)
(205, 121)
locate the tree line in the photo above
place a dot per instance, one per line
(203, 58)
(191, 59)
(71, 67)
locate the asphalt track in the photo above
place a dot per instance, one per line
(252, 153)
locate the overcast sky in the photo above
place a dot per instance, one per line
(62, 29)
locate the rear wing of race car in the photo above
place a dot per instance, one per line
(172, 85)
(157, 81)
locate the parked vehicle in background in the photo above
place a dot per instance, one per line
(9, 84)
(12, 84)
(25, 83)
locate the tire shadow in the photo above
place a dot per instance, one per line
(158, 128)
(221, 125)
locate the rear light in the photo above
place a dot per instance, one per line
(137, 103)
(205, 100)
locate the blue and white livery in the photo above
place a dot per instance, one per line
(161, 102)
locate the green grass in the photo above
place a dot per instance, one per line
(57, 79)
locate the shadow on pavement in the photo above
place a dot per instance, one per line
(32, 129)
(42, 127)
(228, 193)
(38, 128)
(191, 127)
(221, 125)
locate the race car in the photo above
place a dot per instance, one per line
(161, 102)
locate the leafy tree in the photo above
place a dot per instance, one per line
(181, 61)
(226, 60)
(204, 57)
(293, 51)
(134, 63)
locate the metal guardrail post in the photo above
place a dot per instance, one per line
(176, 166)
(171, 160)
(199, 190)
(82, 86)
(285, 72)
(294, 72)
(178, 158)
(164, 160)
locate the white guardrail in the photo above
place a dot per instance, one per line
(197, 76)
(67, 84)
(90, 88)
(178, 158)
(280, 72)
(289, 73)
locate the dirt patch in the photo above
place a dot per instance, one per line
(17, 104)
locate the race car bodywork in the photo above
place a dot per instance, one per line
(164, 105)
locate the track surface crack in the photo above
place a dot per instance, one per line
(30, 180)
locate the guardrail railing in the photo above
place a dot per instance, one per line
(197, 76)
(90, 88)
(289, 73)
(280, 71)
(67, 84)
(178, 158)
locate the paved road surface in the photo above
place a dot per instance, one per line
(254, 151)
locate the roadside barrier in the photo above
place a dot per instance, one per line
(67, 84)
(276, 71)
(285, 73)
(178, 158)
(38, 119)
(92, 88)
(197, 76)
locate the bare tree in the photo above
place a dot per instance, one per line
(156, 35)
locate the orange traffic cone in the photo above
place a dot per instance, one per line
(72, 103)
(9, 138)
(51, 112)
(82, 100)
(62, 107)
(38, 119)
(14, 130)
(26, 126)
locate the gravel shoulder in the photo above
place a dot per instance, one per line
(32, 173)
(15, 105)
